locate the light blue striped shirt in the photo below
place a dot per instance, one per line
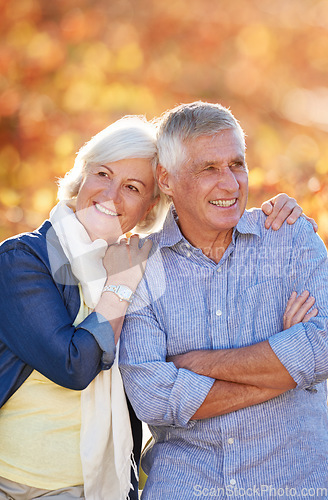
(185, 302)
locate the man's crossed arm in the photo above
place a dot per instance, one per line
(247, 375)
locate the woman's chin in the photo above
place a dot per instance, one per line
(109, 235)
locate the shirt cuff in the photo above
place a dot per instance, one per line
(294, 351)
(103, 333)
(188, 394)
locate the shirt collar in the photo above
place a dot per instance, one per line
(248, 224)
(171, 234)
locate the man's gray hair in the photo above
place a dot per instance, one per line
(129, 137)
(189, 121)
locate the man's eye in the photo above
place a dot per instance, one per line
(238, 166)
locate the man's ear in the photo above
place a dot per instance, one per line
(163, 180)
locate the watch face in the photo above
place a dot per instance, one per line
(125, 292)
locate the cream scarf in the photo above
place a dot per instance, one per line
(106, 441)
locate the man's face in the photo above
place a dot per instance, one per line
(210, 190)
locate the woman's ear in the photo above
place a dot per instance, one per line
(164, 180)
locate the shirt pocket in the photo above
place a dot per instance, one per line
(259, 312)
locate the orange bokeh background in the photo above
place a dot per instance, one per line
(69, 68)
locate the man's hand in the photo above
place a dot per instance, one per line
(282, 208)
(297, 309)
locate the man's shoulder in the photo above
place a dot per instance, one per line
(255, 218)
(157, 236)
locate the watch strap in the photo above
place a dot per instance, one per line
(122, 291)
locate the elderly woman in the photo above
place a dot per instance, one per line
(65, 428)
(65, 289)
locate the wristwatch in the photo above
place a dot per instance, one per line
(122, 291)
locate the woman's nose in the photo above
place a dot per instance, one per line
(113, 192)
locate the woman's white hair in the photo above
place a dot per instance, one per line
(129, 137)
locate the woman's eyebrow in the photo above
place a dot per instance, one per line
(137, 180)
(129, 180)
(105, 166)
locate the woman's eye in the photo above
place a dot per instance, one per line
(102, 173)
(132, 188)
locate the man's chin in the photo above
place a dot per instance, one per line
(228, 222)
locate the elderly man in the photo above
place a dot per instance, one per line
(232, 385)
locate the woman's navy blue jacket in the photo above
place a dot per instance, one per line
(39, 301)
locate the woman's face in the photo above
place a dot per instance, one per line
(114, 197)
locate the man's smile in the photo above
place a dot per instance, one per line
(223, 203)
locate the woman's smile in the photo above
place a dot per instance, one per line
(105, 210)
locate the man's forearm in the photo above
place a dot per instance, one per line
(226, 397)
(255, 365)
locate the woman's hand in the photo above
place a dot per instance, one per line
(125, 262)
(297, 309)
(282, 208)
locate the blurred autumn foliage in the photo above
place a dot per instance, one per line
(68, 68)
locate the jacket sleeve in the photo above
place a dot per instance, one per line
(160, 393)
(303, 348)
(37, 328)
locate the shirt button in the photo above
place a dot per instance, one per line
(233, 482)
(230, 441)
(188, 254)
(218, 312)
(219, 269)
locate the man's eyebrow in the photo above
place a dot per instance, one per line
(206, 163)
(130, 179)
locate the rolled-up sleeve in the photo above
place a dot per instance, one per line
(159, 392)
(303, 348)
(103, 333)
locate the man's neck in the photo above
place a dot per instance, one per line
(215, 250)
(213, 246)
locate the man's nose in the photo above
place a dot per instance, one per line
(228, 181)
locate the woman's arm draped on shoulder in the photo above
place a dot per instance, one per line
(282, 208)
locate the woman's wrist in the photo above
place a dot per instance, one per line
(120, 279)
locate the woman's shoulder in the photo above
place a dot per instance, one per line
(30, 238)
(33, 242)
(35, 252)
